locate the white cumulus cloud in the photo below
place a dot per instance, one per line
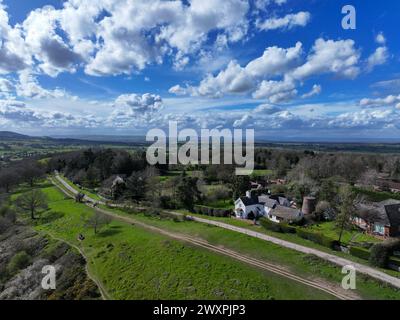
(287, 22)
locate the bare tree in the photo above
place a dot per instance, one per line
(97, 221)
(369, 177)
(8, 179)
(30, 172)
(347, 207)
(32, 201)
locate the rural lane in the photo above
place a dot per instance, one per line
(374, 273)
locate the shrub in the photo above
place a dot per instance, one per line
(209, 211)
(379, 255)
(277, 227)
(269, 225)
(360, 252)
(222, 213)
(19, 261)
(5, 224)
(287, 228)
(381, 252)
(166, 202)
(317, 238)
(394, 261)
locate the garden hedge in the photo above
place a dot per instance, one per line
(381, 252)
(277, 227)
(360, 252)
(317, 238)
(208, 211)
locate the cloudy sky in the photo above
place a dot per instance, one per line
(286, 68)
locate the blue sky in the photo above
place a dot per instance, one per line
(283, 67)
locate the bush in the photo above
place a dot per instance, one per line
(394, 261)
(5, 224)
(360, 252)
(381, 252)
(317, 238)
(379, 255)
(208, 211)
(222, 213)
(269, 225)
(287, 228)
(166, 202)
(19, 261)
(277, 227)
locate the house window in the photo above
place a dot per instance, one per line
(380, 229)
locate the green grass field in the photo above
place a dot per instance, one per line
(297, 262)
(133, 263)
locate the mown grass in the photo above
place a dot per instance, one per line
(330, 230)
(133, 263)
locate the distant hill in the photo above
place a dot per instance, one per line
(8, 136)
(13, 135)
(105, 138)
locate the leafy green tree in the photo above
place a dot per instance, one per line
(328, 191)
(136, 186)
(239, 186)
(187, 192)
(92, 177)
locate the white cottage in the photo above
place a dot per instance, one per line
(248, 207)
(275, 208)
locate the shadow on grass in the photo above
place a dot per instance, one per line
(50, 217)
(109, 232)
